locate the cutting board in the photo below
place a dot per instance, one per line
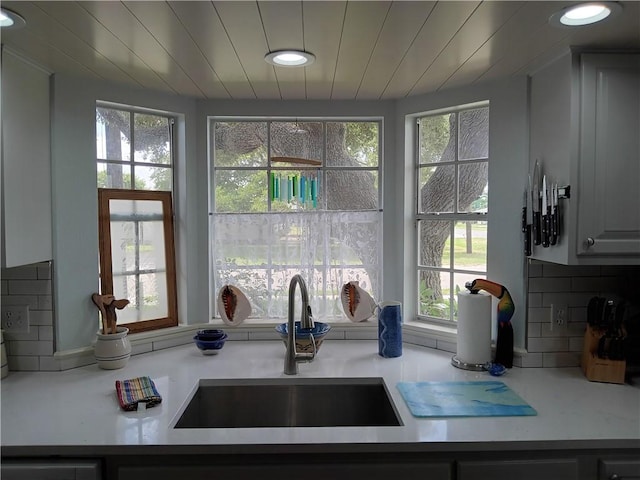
(463, 399)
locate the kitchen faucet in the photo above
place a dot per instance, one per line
(306, 321)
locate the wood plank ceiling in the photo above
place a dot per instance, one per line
(365, 49)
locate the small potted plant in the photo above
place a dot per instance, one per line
(112, 348)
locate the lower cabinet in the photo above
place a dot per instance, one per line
(616, 469)
(51, 469)
(556, 469)
(306, 471)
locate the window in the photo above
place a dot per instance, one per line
(295, 197)
(134, 152)
(452, 171)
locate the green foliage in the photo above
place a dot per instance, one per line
(437, 307)
(434, 137)
(361, 142)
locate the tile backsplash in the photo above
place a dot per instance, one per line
(30, 285)
(569, 288)
(549, 344)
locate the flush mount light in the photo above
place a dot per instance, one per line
(290, 58)
(585, 14)
(10, 19)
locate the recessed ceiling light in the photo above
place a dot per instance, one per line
(585, 14)
(290, 58)
(10, 19)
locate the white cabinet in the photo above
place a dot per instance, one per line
(585, 131)
(26, 163)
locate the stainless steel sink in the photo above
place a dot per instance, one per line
(290, 402)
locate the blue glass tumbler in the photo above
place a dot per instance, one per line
(390, 330)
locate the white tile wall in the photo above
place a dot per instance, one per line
(30, 285)
(551, 345)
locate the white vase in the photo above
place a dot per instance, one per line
(112, 351)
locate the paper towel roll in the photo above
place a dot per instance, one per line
(474, 328)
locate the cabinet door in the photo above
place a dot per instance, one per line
(553, 469)
(609, 164)
(619, 470)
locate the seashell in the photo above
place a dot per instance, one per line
(233, 305)
(357, 304)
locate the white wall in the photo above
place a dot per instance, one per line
(75, 200)
(75, 204)
(508, 160)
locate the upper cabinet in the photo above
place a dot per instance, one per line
(585, 132)
(26, 163)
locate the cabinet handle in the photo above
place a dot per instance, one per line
(615, 476)
(590, 242)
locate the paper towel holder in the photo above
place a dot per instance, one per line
(475, 367)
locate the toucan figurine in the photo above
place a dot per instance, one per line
(504, 342)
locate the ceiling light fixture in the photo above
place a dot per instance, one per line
(290, 58)
(10, 19)
(585, 14)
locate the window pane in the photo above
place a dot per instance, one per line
(473, 187)
(352, 190)
(434, 243)
(297, 139)
(352, 144)
(111, 175)
(459, 280)
(240, 144)
(153, 178)
(113, 128)
(470, 246)
(295, 190)
(241, 191)
(474, 134)
(151, 139)
(437, 189)
(147, 294)
(433, 294)
(437, 138)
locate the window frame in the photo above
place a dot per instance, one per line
(451, 217)
(272, 167)
(106, 267)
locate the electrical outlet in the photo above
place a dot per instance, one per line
(562, 315)
(15, 318)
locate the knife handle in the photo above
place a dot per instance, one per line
(546, 225)
(524, 219)
(536, 228)
(527, 240)
(553, 236)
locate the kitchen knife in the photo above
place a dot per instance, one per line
(526, 226)
(546, 210)
(535, 205)
(555, 220)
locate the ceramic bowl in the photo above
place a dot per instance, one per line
(303, 341)
(210, 347)
(210, 334)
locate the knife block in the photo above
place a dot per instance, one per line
(599, 369)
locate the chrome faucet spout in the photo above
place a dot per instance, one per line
(292, 357)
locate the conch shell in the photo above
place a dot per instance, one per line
(233, 305)
(357, 304)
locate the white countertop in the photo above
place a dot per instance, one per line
(79, 407)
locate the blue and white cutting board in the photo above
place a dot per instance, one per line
(463, 399)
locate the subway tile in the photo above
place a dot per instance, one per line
(589, 284)
(78, 361)
(535, 269)
(40, 317)
(44, 270)
(533, 330)
(553, 330)
(30, 300)
(235, 335)
(361, 334)
(561, 359)
(141, 348)
(576, 329)
(4, 288)
(531, 360)
(419, 340)
(27, 272)
(45, 332)
(620, 270)
(172, 342)
(535, 300)
(48, 364)
(31, 335)
(570, 299)
(575, 344)
(45, 302)
(264, 335)
(23, 363)
(578, 314)
(37, 347)
(548, 344)
(538, 315)
(549, 284)
(30, 287)
(555, 270)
